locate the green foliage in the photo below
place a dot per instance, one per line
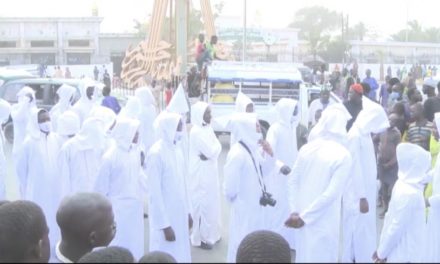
(416, 33)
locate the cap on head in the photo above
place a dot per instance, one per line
(357, 88)
(263, 247)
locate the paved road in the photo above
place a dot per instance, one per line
(217, 254)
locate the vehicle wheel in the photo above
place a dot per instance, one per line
(9, 132)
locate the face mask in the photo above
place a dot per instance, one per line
(178, 137)
(45, 127)
(394, 96)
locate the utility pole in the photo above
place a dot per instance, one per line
(244, 33)
(181, 20)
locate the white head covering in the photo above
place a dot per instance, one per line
(124, 132)
(332, 123)
(84, 84)
(33, 127)
(166, 126)
(132, 109)
(68, 124)
(414, 163)
(91, 135)
(105, 114)
(25, 91)
(285, 108)
(178, 103)
(65, 93)
(241, 102)
(197, 112)
(5, 110)
(145, 96)
(371, 119)
(244, 127)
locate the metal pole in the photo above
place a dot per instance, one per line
(244, 33)
(406, 31)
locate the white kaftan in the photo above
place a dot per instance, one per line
(359, 230)
(282, 138)
(403, 235)
(204, 179)
(65, 94)
(5, 110)
(168, 203)
(147, 116)
(316, 186)
(20, 116)
(119, 179)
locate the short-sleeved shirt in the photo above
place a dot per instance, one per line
(420, 135)
(430, 107)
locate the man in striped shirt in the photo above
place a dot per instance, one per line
(419, 132)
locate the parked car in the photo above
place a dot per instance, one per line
(45, 95)
(7, 75)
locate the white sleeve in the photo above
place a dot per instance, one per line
(22, 168)
(232, 176)
(332, 192)
(392, 233)
(158, 216)
(207, 147)
(293, 181)
(102, 183)
(356, 173)
(64, 167)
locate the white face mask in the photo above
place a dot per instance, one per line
(178, 137)
(45, 127)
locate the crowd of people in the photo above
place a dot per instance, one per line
(86, 169)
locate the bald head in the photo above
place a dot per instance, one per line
(86, 218)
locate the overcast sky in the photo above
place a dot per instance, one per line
(382, 16)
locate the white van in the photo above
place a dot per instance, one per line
(264, 83)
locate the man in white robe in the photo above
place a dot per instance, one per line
(81, 156)
(87, 101)
(168, 203)
(147, 116)
(204, 151)
(359, 200)
(66, 95)
(5, 110)
(108, 117)
(119, 180)
(248, 164)
(37, 168)
(316, 186)
(403, 235)
(20, 116)
(132, 109)
(433, 240)
(282, 138)
(243, 104)
(68, 126)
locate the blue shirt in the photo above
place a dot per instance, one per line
(373, 85)
(112, 103)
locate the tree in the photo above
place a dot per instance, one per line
(357, 32)
(415, 33)
(141, 28)
(315, 25)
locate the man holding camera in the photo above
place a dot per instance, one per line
(248, 162)
(316, 186)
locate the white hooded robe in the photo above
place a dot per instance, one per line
(282, 137)
(168, 204)
(403, 235)
(119, 179)
(204, 179)
(359, 230)
(241, 184)
(85, 105)
(147, 116)
(65, 94)
(81, 156)
(5, 110)
(316, 185)
(433, 242)
(241, 102)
